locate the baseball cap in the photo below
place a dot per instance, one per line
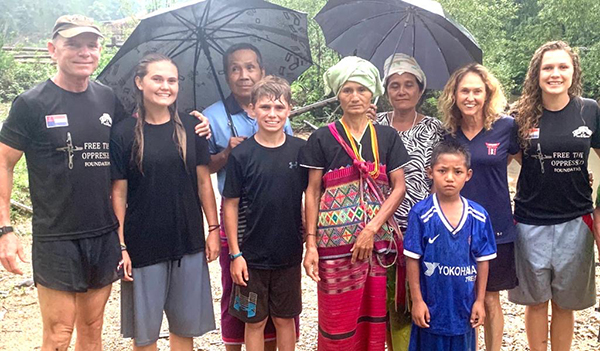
(68, 26)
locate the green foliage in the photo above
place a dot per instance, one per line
(17, 77)
(509, 31)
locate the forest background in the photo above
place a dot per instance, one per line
(508, 31)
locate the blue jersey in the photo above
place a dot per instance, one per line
(489, 184)
(448, 260)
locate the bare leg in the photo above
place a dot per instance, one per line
(561, 328)
(286, 333)
(536, 326)
(90, 317)
(494, 321)
(151, 347)
(254, 335)
(271, 345)
(233, 347)
(388, 340)
(58, 318)
(180, 343)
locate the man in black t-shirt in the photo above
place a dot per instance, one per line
(63, 127)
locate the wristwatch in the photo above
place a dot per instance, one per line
(6, 229)
(233, 257)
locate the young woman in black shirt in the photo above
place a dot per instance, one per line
(161, 185)
(553, 204)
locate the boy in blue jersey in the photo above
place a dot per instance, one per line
(448, 244)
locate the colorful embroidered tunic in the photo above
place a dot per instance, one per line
(352, 295)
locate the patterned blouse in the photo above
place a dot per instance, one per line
(419, 142)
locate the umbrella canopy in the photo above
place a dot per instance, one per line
(196, 35)
(376, 29)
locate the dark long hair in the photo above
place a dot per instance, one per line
(179, 137)
(529, 108)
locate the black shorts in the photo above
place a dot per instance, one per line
(270, 292)
(77, 265)
(503, 273)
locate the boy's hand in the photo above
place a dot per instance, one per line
(477, 314)
(420, 314)
(213, 246)
(363, 247)
(311, 263)
(202, 128)
(239, 271)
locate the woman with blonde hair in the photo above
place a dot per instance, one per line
(553, 204)
(472, 104)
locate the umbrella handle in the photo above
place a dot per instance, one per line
(206, 50)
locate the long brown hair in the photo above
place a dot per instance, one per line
(179, 137)
(529, 108)
(495, 102)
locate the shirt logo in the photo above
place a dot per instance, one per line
(55, 121)
(492, 148)
(534, 133)
(293, 165)
(582, 132)
(106, 120)
(450, 271)
(431, 266)
(432, 240)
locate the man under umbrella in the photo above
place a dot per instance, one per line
(243, 68)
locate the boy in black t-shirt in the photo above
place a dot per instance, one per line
(265, 265)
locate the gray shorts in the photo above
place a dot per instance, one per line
(555, 262)
(181, 288)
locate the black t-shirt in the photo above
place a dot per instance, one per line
(65, 137)
(322, 151)
(163, 220)
(553, 186)
(272, 182)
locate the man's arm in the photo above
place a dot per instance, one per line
(10, 246)
(218, 161)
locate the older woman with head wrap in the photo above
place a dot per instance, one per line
(356, 182)
(405, 83)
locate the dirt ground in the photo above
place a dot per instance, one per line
(21, 329)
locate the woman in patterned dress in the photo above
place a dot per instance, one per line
(405, 83)
(356, 182)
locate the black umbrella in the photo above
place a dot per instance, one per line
(196, 35)
(376, 29)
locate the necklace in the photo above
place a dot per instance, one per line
(374, 147)
(413, 122)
